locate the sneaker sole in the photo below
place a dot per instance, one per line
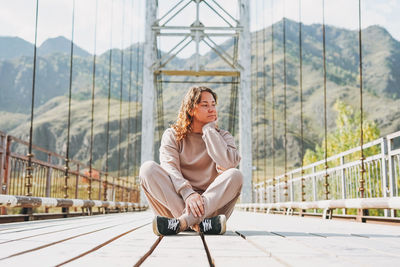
(223, 224)
(155, 229)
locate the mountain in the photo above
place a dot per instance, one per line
(52, 78)
(14, 47)
(50, 130)
(60, 44)
(381, 66)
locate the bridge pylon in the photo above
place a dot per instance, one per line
(238, 66)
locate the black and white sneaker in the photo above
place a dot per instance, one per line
(165, 226)
(214, 225)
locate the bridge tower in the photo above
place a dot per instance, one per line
(197, 32)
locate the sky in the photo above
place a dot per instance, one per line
(121, 22)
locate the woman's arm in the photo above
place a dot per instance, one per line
(169, 159)
(221, 147)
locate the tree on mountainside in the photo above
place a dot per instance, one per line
(346, 135)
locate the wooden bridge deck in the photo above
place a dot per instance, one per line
(252, 239)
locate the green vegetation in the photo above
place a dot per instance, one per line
(346, 136)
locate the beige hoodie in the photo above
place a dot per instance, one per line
(192, 162)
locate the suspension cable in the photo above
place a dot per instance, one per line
(159, 96)
(92, 111)
(136, 130)
(120, 93)
(284, 102)
(160, 106)
(325, 117)
(273, 101)
(234, 91)
(265, 102)
(301, 104)
(66, 174)
(254, 187)
(109, 101)
(257, 102)
(29, 169)
(130, 94)
(362, 180)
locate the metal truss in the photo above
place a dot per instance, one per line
(198, 33)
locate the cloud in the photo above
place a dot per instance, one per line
(17, 18)
(55, 19)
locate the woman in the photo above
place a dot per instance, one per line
(196, 185)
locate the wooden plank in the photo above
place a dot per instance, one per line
(232, 250)
(271, 240)
(9, 227)
(18, 227)
(181, 250)
(68, 249)
(20, 234)
(125, 251)
(317, 242)
(199, 73)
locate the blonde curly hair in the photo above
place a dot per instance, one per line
(183, 124)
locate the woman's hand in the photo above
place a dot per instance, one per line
(195, 204)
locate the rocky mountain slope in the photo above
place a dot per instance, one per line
(381, 62)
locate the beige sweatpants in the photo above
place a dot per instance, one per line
(219, 198)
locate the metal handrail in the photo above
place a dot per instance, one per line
(48, 175)
(383, 172)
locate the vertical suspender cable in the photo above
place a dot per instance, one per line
(257, 105)
(92, 110)
(265, 102)
(66, 175)
(158, 86)
(325, 118)
(273, 100)
(108, 100)
(254, 188)
(128, 159)
(29, 169)
(120, 93)
(361, 189)
(136, 130)
(234, 90)
(141, 110)
(301, 103)
(284, 102)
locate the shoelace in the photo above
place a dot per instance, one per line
(172, 224)
(207, 225)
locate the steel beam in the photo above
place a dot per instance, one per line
(199, 73)
(205, 28)
(245, 100)
(150, 53)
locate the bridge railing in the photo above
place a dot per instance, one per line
(382, 176)
(49, 176)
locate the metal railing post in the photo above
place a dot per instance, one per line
(7, 168)
(100, 184)
(2, 158)
(384, 172)
(77, 181)
(343, 180)
(113, 189)
(105, 188)
(278, 190)
(48, 177)
(314, 186)
(392, 182)
(291, 188)
(5, 162)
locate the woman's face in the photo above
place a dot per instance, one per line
(205, 111)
